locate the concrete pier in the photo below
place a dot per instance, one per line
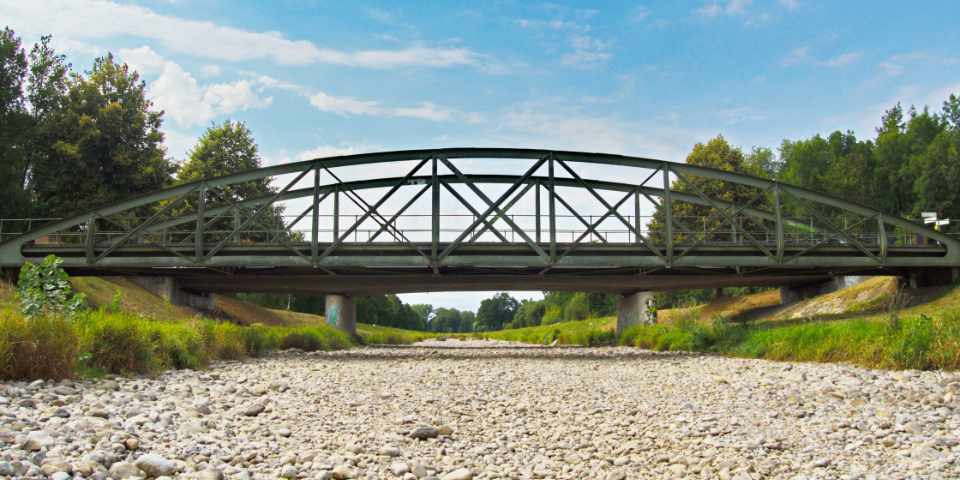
(168, 288)
(341, 312)
(632, 310)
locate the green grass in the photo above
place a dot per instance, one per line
(97, 342)
(595, 331)
(377, 335)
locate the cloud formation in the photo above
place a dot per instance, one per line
(184, 99)
(77, 20)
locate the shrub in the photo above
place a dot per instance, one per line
(115, 343)
(45, 289)
(257, 340)
(40, 347)
(553, 314)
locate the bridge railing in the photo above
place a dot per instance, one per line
(174, 237)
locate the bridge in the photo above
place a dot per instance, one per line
(481, 219)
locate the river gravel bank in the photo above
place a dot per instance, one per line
(483, 410)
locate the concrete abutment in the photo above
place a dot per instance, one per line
(168, 288)
(634, 309)
(341, 312)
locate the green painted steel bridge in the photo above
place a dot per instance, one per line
(481, 219)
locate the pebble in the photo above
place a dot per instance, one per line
(448, 410)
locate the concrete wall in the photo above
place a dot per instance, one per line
(168, 289)
(341, 312)
(797, 293)
(632, 310)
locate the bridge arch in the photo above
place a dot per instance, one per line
(492, 246)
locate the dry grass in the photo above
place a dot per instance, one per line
(134, 298)
(869, 296)
(246, 313)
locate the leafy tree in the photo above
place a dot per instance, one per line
(108, 143)
(717, 154)
(496, 311)
(424, 313)
(529, 313)
(44, 289)
(224, 149)
(14, 126)
(451, 320)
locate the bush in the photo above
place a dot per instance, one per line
(45, 289)
(116, 343)
(310, 339)
(553, 314)
(41, 347)
(257, 340)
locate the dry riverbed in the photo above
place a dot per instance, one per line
(461, 410)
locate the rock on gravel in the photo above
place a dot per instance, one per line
(483, 410)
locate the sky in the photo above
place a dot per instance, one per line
(316, 78)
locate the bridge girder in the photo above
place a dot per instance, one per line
(134, 246)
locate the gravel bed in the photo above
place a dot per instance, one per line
(473, 409)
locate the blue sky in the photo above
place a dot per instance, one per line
(318, 78)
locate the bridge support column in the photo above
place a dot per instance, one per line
(632, 310)
(169, 289)
(341, 312)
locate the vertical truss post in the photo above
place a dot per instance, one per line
(537, 211)
(778, 211)
(336, 213)
(435, 218)
(201, 219)
(636, 216)
(315, 230)
(668, 211)
(236, 223)
(552, 208)
(882, 236)
(91, 240)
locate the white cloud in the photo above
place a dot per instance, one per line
(78, 20)
(843, 59)
(803, 56)
(211, 71)
(587, 50)
(790, 5)
(740, 114)
(640, 13)
(324, 151)
(797, 56)
(895, 65)
(345, 105)
(350, 106)
(183, 99)
(728, 7)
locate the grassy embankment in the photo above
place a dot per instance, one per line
(142, 334)
(851, 325)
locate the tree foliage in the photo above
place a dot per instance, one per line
(496, 311)
(44, 289)
(106, 143)
(223, 149)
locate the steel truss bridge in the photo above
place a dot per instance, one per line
(481, 219)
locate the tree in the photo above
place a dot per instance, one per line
(529, 313)
(700, 220)
(224, 149)
(496, 311)
(451, 320)
(14, 126)
(108, 144)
